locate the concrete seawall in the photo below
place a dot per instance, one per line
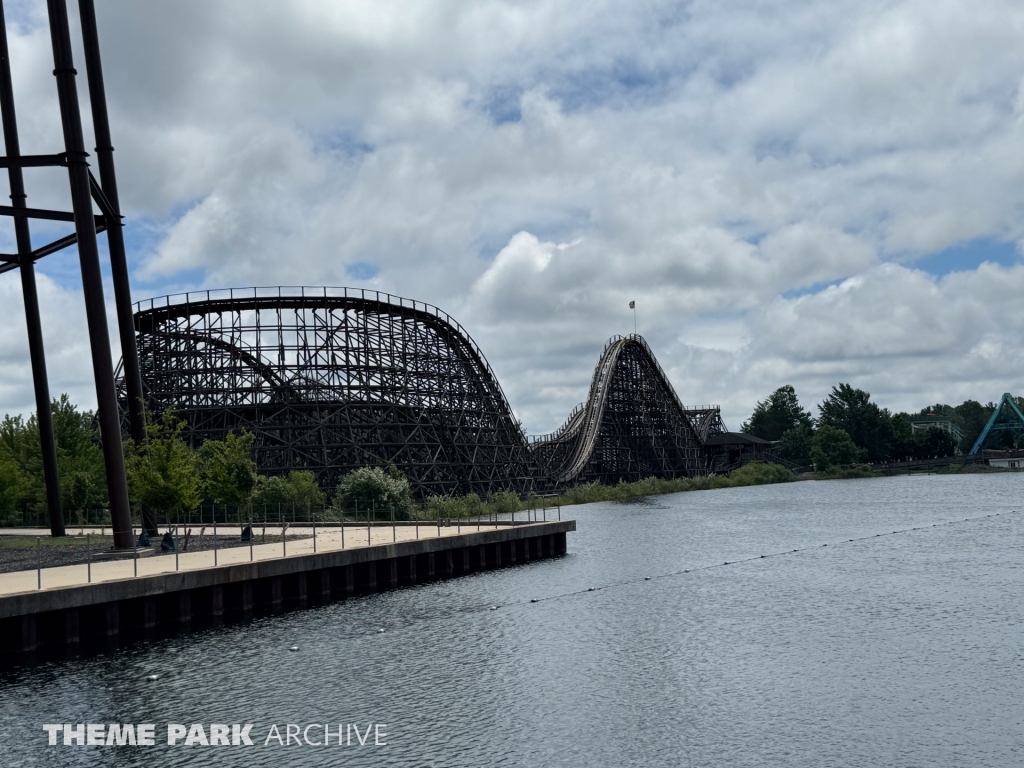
(101, 615)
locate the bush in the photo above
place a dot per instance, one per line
(758, 473)
(299, 490)
(444, 507)
(473, 505)
(369, 488)
(505, 502)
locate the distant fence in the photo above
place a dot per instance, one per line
(241, 515)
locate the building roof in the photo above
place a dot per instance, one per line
(931, 418)
(736, 438)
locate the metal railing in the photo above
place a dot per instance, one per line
(314, 536)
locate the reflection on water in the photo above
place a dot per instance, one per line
(898, 649)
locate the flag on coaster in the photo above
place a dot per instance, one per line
(632, 305)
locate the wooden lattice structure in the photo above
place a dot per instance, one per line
(334, 379)
(632, 425)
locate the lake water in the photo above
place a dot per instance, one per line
(895, 649)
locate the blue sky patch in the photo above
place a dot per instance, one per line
(361, 270)
(966, 257)
(502, 105)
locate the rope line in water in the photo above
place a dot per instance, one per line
(695, 569)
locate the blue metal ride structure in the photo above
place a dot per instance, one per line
(1016, 426)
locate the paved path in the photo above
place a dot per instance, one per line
(327, 539)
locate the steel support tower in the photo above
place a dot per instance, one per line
(84, 191)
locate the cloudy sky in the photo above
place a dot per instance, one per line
(792, 192)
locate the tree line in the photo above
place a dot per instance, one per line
(852, 429)
(167, 477)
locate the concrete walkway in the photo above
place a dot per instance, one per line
(327, 539)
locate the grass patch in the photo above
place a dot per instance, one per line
(505, 502)
(848, 473)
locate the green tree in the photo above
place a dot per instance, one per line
(162, 474)
(934, 443)
(903, 445)
(775, 416)
(852, 411)
(369, 488)
(796, 444)
(832, 447)
(227, 469)
(971, 416)
(299, 490)
(12, 488)
(79, 460)
(20, 439)
(83, 480)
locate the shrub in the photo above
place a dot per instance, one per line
(505, 502)
(759, 473)
(298, 490)
(369, 488)
(442, 507)
(582, 493)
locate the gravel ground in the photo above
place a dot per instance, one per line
(18, 553)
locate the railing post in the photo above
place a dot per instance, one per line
(39, 564)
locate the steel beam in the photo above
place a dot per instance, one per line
(115, 233)
(92, 279)
(14, 164)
